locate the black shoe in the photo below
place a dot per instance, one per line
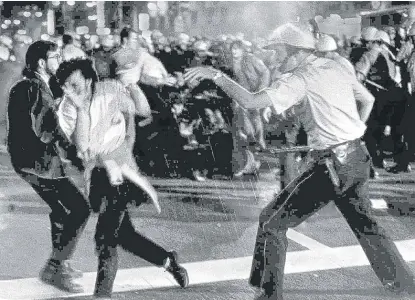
(179, 273)
(59, 277)
(399, 168)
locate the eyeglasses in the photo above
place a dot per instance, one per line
(56, 56)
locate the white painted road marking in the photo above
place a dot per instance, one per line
(202, 272)
(379, 204)
(304, 240)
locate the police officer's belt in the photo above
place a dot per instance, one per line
(338, 153)
(327, 156)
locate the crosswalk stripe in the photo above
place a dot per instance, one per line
(305, 241)
(202, 272)
(379, 204)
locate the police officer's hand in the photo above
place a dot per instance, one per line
(199, 73)
(360, 77)
(170, 81)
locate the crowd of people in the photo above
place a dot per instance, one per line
(194, 133)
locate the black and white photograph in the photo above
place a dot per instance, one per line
(193, 150)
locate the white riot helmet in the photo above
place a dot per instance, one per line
(289, 34)
(326, 43)
(382, 36)
(369, 33)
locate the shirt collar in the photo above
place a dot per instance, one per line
(43, 77)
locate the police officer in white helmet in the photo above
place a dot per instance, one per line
(327, 46)
(367, 38)
(339, 165)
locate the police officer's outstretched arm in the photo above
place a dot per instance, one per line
(283, 95)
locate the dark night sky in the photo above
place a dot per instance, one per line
(8, 6)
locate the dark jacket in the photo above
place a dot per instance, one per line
(33, 131)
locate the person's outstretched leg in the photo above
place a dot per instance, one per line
(141, 246)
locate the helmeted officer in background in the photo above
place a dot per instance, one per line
(338, 166)
(367, 37)
(327, 47)
(407, 56)
(376, 70)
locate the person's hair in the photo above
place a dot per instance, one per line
(67, 39)
(85, 66)
(37, 51)
(239, 44)
(125, 33)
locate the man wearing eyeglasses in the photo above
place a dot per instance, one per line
(33, 139)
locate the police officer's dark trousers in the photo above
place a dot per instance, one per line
(69, 212)
(309, 192)
(115, 228)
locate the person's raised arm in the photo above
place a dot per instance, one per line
(284, 94)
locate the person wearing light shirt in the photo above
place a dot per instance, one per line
(102, 127)
(333, 107)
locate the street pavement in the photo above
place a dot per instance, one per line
(212, 225)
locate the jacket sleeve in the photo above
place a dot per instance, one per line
(42, 111)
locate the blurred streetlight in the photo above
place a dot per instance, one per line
(4, 26)
(152, 9)
(38, 14)
(21, 31)
(16, 22)
(27, 14)
(163, 7)
(92, 18)
(71, 3)
(7, 22)
(90, 4)
(55, 3)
